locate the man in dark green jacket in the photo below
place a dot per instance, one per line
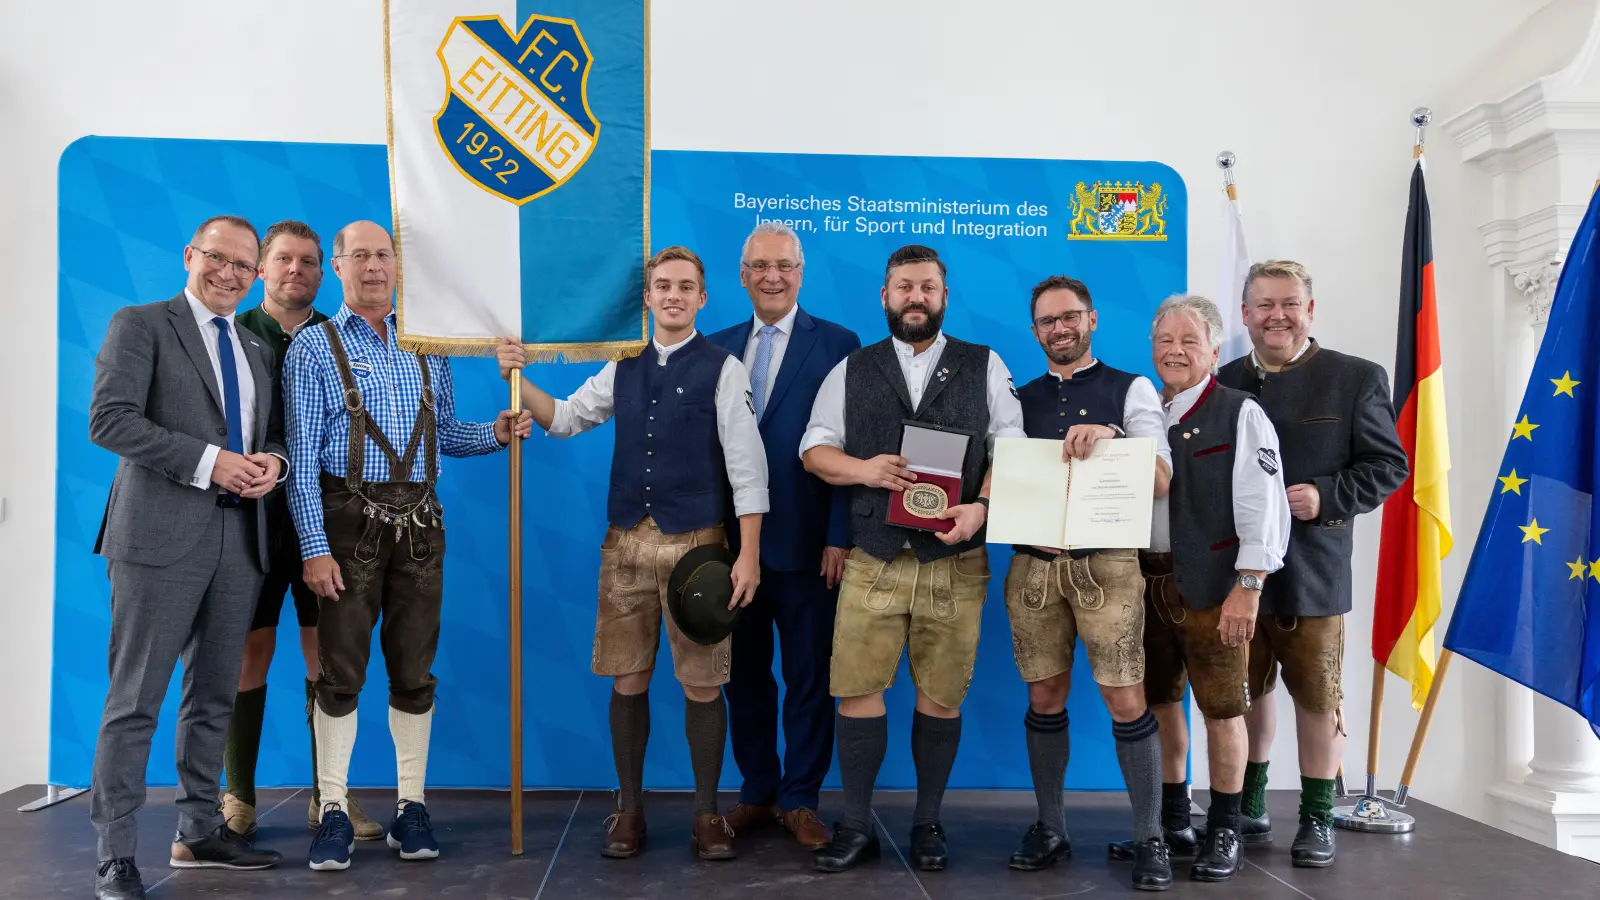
(291, 270)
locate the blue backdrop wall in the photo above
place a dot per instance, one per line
(128, 207)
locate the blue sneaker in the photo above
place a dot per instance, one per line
(336, 837)
(412, 832)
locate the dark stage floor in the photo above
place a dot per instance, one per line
(50, 854)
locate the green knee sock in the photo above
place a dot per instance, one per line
(1255, 790)
(244, 743)
(311, 702)
(1316, 797)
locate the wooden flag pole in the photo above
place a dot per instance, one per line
(1422, 728)
(516, 617)
(1374, 726)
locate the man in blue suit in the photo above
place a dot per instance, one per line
(804, 539)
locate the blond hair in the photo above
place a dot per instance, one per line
(1276, 268)
(668, 254)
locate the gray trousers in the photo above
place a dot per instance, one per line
(198, 608)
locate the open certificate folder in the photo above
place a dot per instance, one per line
(1103, 502)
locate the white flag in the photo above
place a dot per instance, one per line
(1235, 264)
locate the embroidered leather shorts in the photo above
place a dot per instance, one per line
(1099, 598)
(1182, 644)
(936, 608)
(1309, 650)
(634, 568)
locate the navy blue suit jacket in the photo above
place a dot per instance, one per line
(806, 512)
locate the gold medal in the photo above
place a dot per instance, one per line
(925, 501)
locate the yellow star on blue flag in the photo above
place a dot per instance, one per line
(1529, 607)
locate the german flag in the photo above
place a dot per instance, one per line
(1416, 518)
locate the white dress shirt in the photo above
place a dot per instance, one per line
(1142, 415)
(1256, 360)
(592, 404)
(827, 411)
(247, 385)
(780, 343)
(1260, 502)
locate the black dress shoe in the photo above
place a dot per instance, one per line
(118, 879)
(1313, 843)
(1041, 848)
(847, 848)
(1221, 856)
(928, 850)
(1256, 830)
(1181, 844)
(221, 849)
(1152, 866)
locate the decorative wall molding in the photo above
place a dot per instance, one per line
(1537, 282)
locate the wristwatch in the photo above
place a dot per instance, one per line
(1249, 582)
(984, 501)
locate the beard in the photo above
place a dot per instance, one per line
(1069, 354)
(913, 334)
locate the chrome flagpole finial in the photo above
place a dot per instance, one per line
(1420, 117)
(1226, 161)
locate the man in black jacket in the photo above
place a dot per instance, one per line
(1342, 457)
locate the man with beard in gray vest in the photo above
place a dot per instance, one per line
(905, 586)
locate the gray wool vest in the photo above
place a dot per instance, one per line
(1205, 541)
(877, 402)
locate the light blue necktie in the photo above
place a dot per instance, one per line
(758, 375)
(230, 388)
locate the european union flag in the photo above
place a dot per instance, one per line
(1530, 606)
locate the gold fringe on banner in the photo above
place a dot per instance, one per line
(606, 351)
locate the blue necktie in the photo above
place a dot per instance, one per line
(758, 375)
(230, 388)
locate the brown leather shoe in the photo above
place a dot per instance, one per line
(746, 816)
(624, 835)
(807, 828)
(713, 837)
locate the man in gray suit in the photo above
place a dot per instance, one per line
(190, 404)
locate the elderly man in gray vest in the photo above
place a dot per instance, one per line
(1221, 530)
(1342, 457)
(902, 585)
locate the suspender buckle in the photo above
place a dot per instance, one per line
(352, 400)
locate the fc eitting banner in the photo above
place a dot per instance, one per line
(519, 150)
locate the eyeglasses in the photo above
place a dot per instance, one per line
(761, 265)
(242, 269)
(1048, 323)
(362, 257)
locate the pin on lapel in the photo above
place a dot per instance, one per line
(943, 373)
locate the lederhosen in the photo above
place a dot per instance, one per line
(387, 538)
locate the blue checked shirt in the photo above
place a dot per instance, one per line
(390, 382)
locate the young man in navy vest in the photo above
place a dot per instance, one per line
(1223, 527)
(804, 538)
(1054, 597)
(906, 586)
(686, 439)
(1342, 457)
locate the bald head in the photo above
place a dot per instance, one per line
(363, 258)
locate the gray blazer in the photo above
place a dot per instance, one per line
(150, 408)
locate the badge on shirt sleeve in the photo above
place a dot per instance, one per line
(750, 401)
(1013, 386)
(1268, 459)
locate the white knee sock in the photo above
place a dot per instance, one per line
(411, 733)
(336, 739)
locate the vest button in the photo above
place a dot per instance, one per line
(652, 403)
(647, 471)
(652, 418)
(1061, 431)
(647, 487)
(647, 506)
(1063, 414)
(1083, 412)
(649, 435)
(649, 453)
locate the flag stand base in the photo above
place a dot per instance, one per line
(1372, 814)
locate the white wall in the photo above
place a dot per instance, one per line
(1313, 100)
